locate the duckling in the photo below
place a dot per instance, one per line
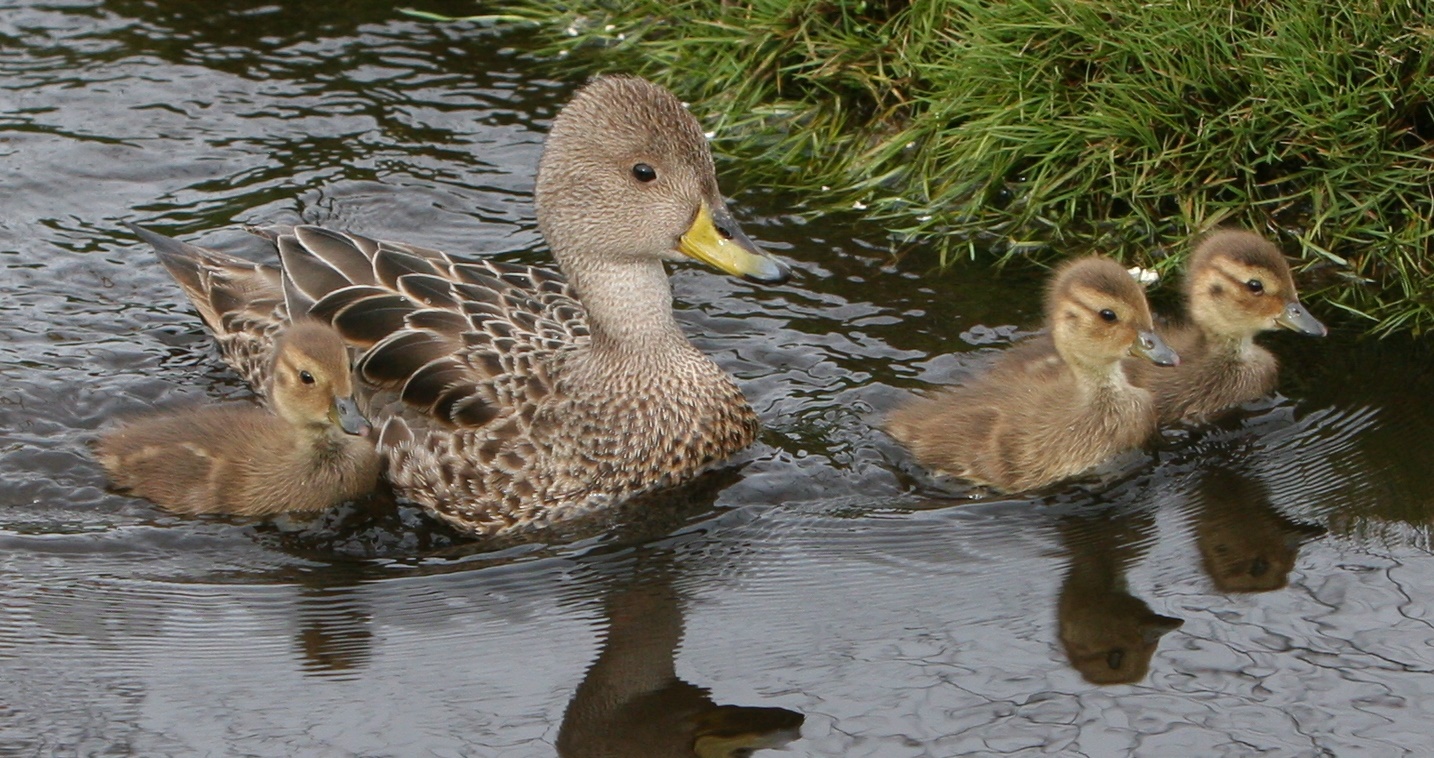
(313, 451)
(1237, 285)
(1030, 422)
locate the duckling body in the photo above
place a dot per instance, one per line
(1031, 421)
(314, 451)
(511, 396)
(1237, 284)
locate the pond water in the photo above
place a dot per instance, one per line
(1261, 585)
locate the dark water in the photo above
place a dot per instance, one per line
(1263, 585)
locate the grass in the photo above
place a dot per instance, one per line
(1032, 129)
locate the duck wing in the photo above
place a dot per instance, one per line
(461, 341)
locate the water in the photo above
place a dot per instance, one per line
(1263, 584)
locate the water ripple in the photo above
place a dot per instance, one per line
(1261, 582)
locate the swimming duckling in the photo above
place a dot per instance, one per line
(1237, 285)
(1027, 422)
(314, 451)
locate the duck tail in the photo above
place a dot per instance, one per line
(218, 284)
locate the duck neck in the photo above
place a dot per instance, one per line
(1232, 346)
(1099, 377)
(629, 305)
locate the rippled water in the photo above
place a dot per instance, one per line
(1264, 584)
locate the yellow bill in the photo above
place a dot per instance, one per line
(720, 243)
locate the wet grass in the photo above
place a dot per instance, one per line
(1033, 129)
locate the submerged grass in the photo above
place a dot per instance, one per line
(1035, 128)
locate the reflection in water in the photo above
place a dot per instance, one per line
(1109, 635)
(127, 631)
(1246, 545)
(631, 703)
(335, 634)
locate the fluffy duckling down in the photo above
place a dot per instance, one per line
(313, 451)
(1237, 285)
(1033, 420)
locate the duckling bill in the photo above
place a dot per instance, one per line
(1030, 421)
(315, 450)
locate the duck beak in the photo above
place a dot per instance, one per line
(1149, 346)
(716, 240)
(728, 730)
(345, 413)
(1295, 318)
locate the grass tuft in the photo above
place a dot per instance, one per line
(1028, 129)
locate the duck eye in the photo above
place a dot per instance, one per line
(644, 173)
(1256, 286)
(306, 377)
(1108, 315)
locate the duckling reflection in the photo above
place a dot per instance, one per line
(632, 704)
(1245, 544)
(335, 634)
(1108, 634)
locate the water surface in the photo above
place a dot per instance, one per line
(1260, 585)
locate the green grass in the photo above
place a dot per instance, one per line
(1042, 128)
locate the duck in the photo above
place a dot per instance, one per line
(312, 451)
(1030, 421)
(513, 397)
(1237, 285)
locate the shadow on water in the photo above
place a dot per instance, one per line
(1263, 582)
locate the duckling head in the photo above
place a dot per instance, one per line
(1237, 284)
(627, 176)
(1097, 315)
(311, 384)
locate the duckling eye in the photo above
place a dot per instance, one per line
(1109, 315)
(1256, 286)
(644, 173)
(306, 377)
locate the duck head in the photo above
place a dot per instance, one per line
(1097, 315)
(627, 177)
(1237, 284)
(311, 382)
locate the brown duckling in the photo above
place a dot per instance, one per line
(1237, 285)
(312, 452)
(1029, 422)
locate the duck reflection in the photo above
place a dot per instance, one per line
(1109, 635)
(1245, 544)
(631, 702)
(334, 638)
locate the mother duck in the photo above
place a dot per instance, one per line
(513, 397)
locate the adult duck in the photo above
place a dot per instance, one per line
(512, 397)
